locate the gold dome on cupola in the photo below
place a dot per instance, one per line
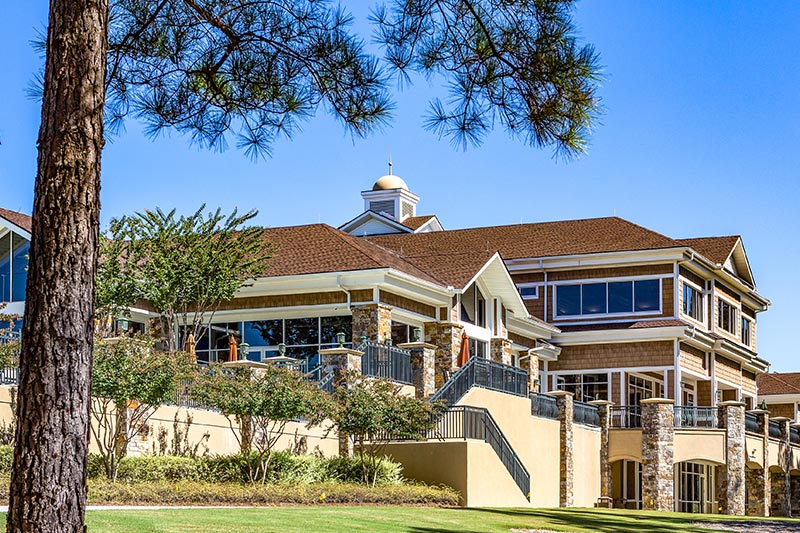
(389, 182)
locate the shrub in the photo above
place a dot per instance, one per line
(6, 459)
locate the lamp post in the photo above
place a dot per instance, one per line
(340, 338)
(244, 350)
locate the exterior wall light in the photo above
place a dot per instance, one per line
(281, 349)
(416, 335)
(244, 349)
(340, 339)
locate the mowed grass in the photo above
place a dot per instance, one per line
(335, 519)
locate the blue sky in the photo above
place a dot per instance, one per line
(698, 137)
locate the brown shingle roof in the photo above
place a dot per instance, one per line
(457, 269)
(543, 239)
(20, 219)
(319, 248)
(778, 383)
(715, 249)
(417, 222)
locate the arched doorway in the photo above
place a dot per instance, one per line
(696, 487)
(626, 483)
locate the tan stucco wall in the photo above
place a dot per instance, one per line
(545, 473)
(586, 467)
(754, 450)
(699, 445)
(625, 444)
(470, 467)
(774, 451)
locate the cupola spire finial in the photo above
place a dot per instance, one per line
(390, 163)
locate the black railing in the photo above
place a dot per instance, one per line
(385, 361)
(626, 416)
(543, 405)
(183, 396)
(750, 423)
(775, 429)
(696, 417)
(480, 372)
(585, 414)
(794, 435)
(467, 422)
(9, 375)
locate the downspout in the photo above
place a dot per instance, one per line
(341, 287)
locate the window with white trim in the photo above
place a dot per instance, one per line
(640, 388)
(528, 291)
(609, 298)
(745, 331)
(726, 315)
(585, 387)
(692, 302)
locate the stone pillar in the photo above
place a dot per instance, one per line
(373, 321)
(732, 484)
(423, 367)
(759, 482)
(339, 361)
(500, 350)
(781, 481)
(604, 411)
(564, 401)
(447, 339)
(531, 364)
(658, 433)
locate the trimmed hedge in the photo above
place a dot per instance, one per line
(102, 491)
(284, 467)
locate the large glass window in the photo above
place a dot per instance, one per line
(5, 268)
(640, 388)
(616, 297)
(473, 306)
(263, 332)
(19, 264)
(726, 316)
(696, 488)
(692, 302)
(585, 387)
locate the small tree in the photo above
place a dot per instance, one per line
(9, 339)
(130, 381)
(260, 403)
(373, 412)
(184, 266)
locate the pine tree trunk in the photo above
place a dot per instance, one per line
(48, 486)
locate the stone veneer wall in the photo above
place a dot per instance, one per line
(447, 339)
(658, 434)
(423, 367)
(531, 364)
(732, 482)
(373, 321)
(564, 401)
(500, 350)
(604, 412)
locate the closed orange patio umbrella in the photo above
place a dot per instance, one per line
(463, 353)
(188, 347)
(233, 352)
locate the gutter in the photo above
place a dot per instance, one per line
(341, 287)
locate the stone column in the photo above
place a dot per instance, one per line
(373, 321)
(604, 411)
(758, 481)
(733, 484)
(658, 434)
(564, 401)
(339, 361)
(423, 367)
(781, 481)
(531, 364)
(447, 339)
(500, 350)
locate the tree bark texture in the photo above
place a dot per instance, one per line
(48, 485)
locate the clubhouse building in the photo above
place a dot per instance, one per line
(608, 364)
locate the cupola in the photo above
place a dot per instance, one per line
(390, 197)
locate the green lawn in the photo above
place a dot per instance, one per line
(332, 519)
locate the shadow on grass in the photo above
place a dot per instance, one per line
(603, 522)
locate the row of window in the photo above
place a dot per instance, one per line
(613, 297)
(727, 313)
(590, 387)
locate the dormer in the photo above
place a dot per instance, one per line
(391, 198)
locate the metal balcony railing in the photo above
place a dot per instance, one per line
(750, 423)
(775, 429)
(385, 361)
(480, 372)
(9, 375)
(585, 414)
(543, 405)
(697, 417)
(467, 422)
(626, 417)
